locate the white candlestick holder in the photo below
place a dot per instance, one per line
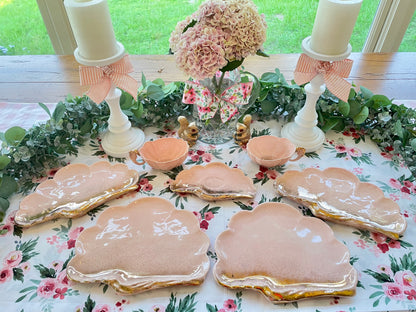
(120, 137)
(303, 131)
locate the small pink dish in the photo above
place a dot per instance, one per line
(163, 154)
(270, 151)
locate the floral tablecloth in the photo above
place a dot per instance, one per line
(33, 261)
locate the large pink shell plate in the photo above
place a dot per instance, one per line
(283, 254)
(215, 181)
(338, 195)
(75, 190)
(145, 245)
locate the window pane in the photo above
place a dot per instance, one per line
(409, 40)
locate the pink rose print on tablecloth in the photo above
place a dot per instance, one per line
(378, 243)
(205, 215)
(348, 153)
(265, 174)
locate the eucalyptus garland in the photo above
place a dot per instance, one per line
(27, 155)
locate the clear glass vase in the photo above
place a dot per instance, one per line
(214, 130)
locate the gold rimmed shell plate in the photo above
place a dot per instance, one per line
(74, 190)
(283, 254)
(215, 181)
(145, 245)
(337, 195)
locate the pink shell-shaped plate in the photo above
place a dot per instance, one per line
(338, 195)
(215, 181)
(285, 255)
(164, 153)
(145, 245)
(74, 190)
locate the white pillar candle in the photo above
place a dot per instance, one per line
(334, 23)
(91, 23)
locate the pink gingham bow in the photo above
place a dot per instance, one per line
(101, 77)
(333, 73)
(209, 103)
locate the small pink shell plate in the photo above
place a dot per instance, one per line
(74, 190)
(145, 245)
(283, 254)
(338, 195)
(215, 181)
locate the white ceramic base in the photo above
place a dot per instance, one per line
(311, 139)
(120, 138)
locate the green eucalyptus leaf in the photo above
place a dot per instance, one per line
(138, 112)
(367, 94)
(155, 92)
(2, 138)
(355, 108)
(159, 82)
(263, 94)
(378, 101)
(413, 144)
(8, 186)
(270, 77)
(126, 100)
(398, 129)
(330, 124)
(344, 108)
(352, 94)
(86, 127)
(14, 135)
(144, 81)
(4, 205)
(4, 161)
(46, 109)
(361, 116)
(59, 112)
(169, 88)
(268, 106)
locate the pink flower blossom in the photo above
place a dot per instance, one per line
(52, 240)
(354, 152)
(60, 293)
(6, 274)
(56, 265)
(204, 224)
(411, 294)
(63, 279)
(74, 233)
(394, 244)
(272, 174)
(385, 269)
(393, 291)
(378, 237)
(406, 278)
(144, 181)
(395, 183)
(5, 229)
(358, 170)
(25, 266)
(46, 288)
(71, 243)
(207, 157)
(259, 175)
(360, 243)
(102, 308)
(340, 148)
(13, 259)
(229, 305)
(195, 158)
(408, 184)
(148, 187)
(208, 216)
(197, 215)
(157, 308)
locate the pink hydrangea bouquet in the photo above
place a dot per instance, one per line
(218, 36)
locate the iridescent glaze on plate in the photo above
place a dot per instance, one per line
(74, 190)
(338, 195)
(215, 181)
(283, 254)
(145, 245)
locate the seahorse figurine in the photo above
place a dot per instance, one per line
(188, 131)
(243, 133)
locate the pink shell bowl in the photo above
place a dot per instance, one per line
(163, 154)
(270, 151)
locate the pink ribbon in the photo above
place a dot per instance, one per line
(102, 77)
(333, 73)
(209, 103)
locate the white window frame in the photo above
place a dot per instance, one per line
(387, 31)
(389, 25)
